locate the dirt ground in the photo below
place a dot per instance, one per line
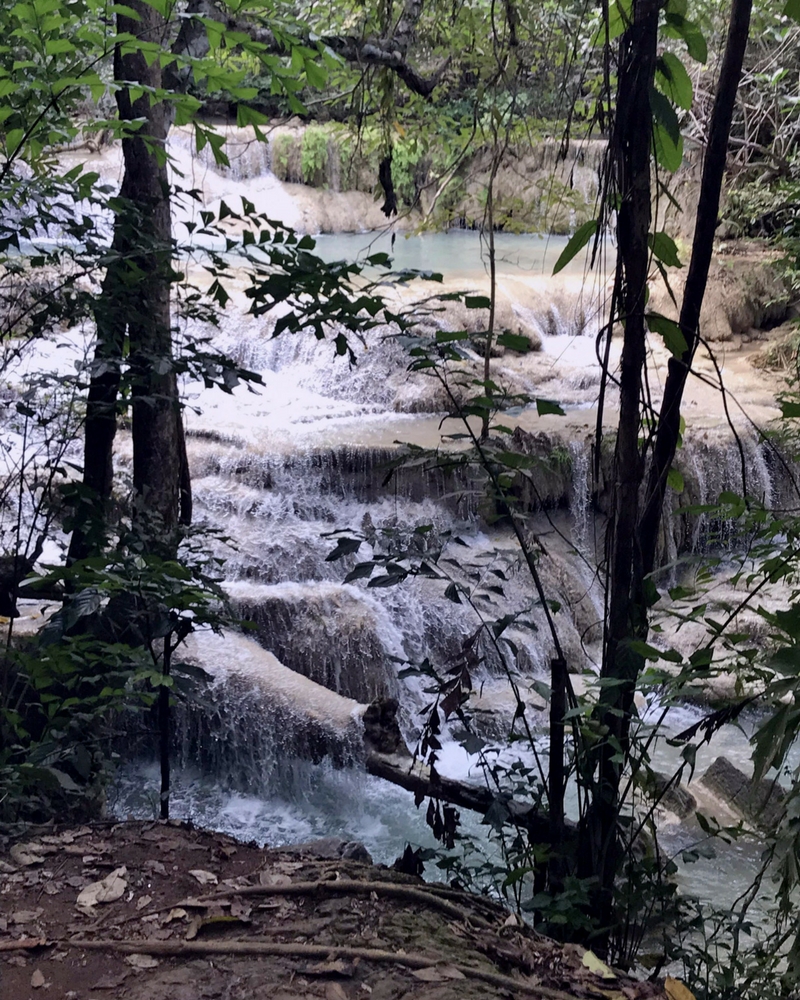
(151, 911)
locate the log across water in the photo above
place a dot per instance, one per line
(299, 716)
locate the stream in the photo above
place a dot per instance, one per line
(305, 455)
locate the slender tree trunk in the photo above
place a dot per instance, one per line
(164, 730)
(633, 534)
(630, 150)
(702, 246)
(557, 780)
(135, 304)
(487, 351)
(92, 505)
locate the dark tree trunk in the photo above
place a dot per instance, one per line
(135, 303)
(629, 153)
(92, 505)
(633, 533)
(702, 246)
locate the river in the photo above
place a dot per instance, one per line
(281, 467)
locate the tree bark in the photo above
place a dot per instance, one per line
(702, 246)
(135, 303)
(629, 153)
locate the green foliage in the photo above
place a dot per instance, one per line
(72, 689)
(314, 157)
(772, 211)
(281, 149)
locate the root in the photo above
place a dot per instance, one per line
(183, 949)
(346, 886)
(22, 943)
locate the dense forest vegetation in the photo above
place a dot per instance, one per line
(436, 108)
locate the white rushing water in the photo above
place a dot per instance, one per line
(305, 454)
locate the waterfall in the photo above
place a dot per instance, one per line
(580, 494)
(282, 469)
(259, 718)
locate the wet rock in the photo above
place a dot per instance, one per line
(381, 731)
(761, 802)
(744, 294)
(676, 798)
(332, 848)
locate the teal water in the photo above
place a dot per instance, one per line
(456, 253)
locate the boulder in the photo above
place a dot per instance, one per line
(676, 798)
(760, 802)
(331, 848)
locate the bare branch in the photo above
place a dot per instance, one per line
(389, 53)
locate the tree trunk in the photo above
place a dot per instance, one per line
(702, 246)
(135, 302)
(629, 153)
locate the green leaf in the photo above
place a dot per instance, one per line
(315, 74)
(789, 408)
(678, 26)
(548, 406)
(619, 17)
(577, 242)
(674, 81)
(478, 302)
(360, 571)
(121, 8)
(344, 547)
(13, 139)
(668, 153)
(645, 650)
(675, 480)
(668, 329)
(249, 116)
(792, 10)
(664, 114)
(58, 46)
(663, 247)
(515, 342)
(451, 336)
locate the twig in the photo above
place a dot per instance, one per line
(180, 949)
(23, 943)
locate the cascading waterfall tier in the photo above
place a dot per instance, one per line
(335, 635)
(258, 718)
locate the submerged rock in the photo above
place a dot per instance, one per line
(760, 802)
(675, 797)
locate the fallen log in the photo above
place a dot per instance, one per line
(411, 774)
(324, 722)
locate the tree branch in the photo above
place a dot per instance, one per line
(402, 770)
(389, 53)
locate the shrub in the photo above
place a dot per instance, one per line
(280, 150)
(314, 156)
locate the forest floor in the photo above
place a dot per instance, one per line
(151, 911)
